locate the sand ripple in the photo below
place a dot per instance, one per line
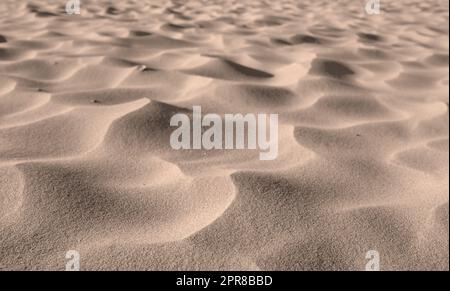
(86, 164)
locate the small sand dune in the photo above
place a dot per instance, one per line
(86, 164)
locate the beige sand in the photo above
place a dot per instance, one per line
(86, 164)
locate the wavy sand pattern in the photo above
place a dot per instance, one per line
(86, 164)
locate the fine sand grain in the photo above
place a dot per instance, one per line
(86, 164)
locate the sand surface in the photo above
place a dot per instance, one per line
(86, 164)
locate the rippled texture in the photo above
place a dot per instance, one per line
(86, 164)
